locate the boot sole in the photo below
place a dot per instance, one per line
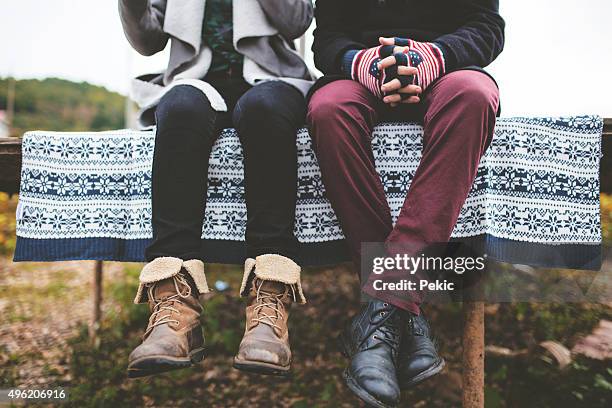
(261, 368)
(363, 394)
(151, 365)
(430, 372)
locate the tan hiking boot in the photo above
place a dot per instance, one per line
(273, 285)
(173, 338)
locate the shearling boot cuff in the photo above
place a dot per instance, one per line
(167, 267)
(273, 267)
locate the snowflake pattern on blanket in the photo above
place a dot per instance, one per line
(538, 182)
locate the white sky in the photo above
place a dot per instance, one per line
(557, 60)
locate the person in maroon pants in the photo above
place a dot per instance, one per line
(409, 61)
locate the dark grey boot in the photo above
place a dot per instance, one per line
(372, 342)
(418, 359)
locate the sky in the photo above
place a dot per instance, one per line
(557, 59)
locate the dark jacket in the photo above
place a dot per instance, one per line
(469, 32)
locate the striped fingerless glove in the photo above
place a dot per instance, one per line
(427, 58)
(362, 66)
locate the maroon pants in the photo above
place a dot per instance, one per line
(458, 114)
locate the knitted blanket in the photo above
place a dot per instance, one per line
(535, 199)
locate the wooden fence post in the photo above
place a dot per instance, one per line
(473, 354)
(97, 301)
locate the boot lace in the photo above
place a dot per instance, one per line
(388, 330)
(268, 300)
(163, 308)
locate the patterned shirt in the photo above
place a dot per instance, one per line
(218, 33)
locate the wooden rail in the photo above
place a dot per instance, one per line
(473, 337)
(10, 164)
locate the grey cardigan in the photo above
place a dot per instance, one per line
(263, 30)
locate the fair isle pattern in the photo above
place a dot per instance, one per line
(539, 182)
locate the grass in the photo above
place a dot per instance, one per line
(97, 374)
(26, 307)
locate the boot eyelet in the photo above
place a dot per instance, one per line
(385, 304)
(382, 314)
(375, 337)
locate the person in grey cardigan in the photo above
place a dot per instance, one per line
(232, 64)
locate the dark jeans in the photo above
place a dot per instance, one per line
(266, 117)
(458, 116)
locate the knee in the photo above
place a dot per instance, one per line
(253, 109)
(329, 115)
(325, 106)
(322, 108)
(474, 92)
(322, 121)
(469, 100)
(183, 106)
(271, 104)
(269, 116)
